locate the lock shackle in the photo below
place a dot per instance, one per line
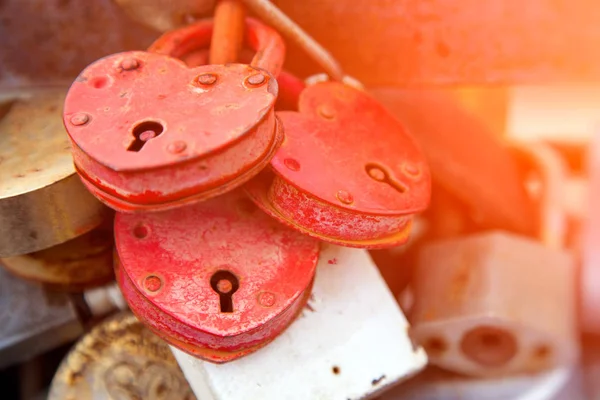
(553, 173)
(268, 44)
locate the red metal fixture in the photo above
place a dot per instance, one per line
(346, 180)
(218, 279)
(150, 134)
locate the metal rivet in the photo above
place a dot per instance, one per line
(412, 169)
(129, 64)
(266, 299)
(292, 164)
(80, 119)
(152, 283)
(326, 111)
(256, 80)
(345, 197)
(206, 79)
(176, 147)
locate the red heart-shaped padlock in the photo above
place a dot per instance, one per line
(218, 279)
(347, 171)
(149, 133)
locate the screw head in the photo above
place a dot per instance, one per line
(206, 79)
(176, 147)
(266, 299)
(256, 80)
(326, 111)
(129, 64)
(292, 164)
(411, 169)
(152, 283)
(80, 119)
(344, 197)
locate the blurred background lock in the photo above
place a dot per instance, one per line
(497, 303)
(42, 201)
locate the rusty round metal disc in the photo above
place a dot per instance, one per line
(176, 266)
(42, 202)
(347, 172)
(81, 263)
(149, 133)
(120, 359)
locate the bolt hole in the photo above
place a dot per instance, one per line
(99, 82)
(140, 231)
(143, 133)
(489, 346)
(435, 346)
(335, 370)
(542, 352)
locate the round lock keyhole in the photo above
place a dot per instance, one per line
(225, 284)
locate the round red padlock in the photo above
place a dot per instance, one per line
(151, 134)
(347, 173)
(218, 279)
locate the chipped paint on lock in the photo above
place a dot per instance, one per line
(332, 177)
(186, 248)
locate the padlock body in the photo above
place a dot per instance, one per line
(149, 133)
(495, 294)
(167, 263)
(347, 173)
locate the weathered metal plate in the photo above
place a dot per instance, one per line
(120, 359)
(381, 42)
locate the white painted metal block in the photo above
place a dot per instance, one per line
(350, 342)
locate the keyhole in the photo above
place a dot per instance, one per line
(225, 284)
(144, 132)
(381, 174)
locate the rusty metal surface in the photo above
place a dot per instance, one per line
(466, 159)
(211, 128)
(53, 40)
(439, 42)
(218, 279)
(120, 359)
(32, 320)
(347, 172)
(434, 42)
(76, 265)
(42, 202)
(164, 15)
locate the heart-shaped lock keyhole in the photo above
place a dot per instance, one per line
(225, 284)
(144, 132)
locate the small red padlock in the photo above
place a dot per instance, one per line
(150, 134)
(347, 173)
(218, 279)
